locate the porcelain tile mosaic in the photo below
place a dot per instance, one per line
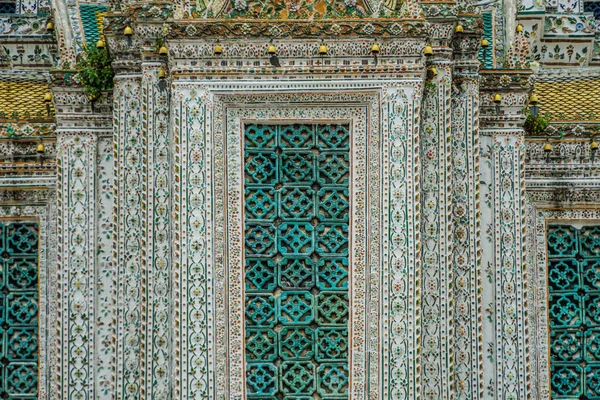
(24, 100)
(297, 199)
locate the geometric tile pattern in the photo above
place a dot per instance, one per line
(23, 100)
(19, 310)
(296, 276)
(569, 99)
(91, 18)
(486, 54)
(574, 310)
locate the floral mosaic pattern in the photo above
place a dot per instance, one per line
(105, 274)
(130, 159)
(294, 9)
(157, 259)
(436, 149)
(77, 251)
(298, 9)
(466, 255)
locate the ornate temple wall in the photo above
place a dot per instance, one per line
(142, 208)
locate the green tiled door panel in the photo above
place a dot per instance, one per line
(574, 311)
(19, 310)
(297, 210)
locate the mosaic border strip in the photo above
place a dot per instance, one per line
(193, 341)
(539, 215)
(77, 253)
(466, 233)
(235, 119)
(106, 279)
(437, 234)
(130, 205)
(156, 261)
(505, 223)
(401, 336)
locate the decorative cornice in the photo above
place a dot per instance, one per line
(369, 28)
(75, 112)
(507, 79)
(575, 129)
(550, 194)
(514, 87)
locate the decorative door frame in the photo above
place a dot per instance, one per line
(574, 206)
(208, 120)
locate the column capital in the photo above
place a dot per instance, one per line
(504, 94)
(75, 112)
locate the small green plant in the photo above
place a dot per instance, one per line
(95, 71)
(536, 125)
(430, 86)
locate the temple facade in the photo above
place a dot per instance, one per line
(299, 199)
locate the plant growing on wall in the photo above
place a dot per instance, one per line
(536, 125)
(95, 71)
(430, 86)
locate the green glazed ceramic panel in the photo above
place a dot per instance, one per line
(19, 310)
(296, 270)
(574, 308)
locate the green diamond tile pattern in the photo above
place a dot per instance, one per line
(486, 55)
(19, 310)
(574, 311)
(296, 269)
(91, 18)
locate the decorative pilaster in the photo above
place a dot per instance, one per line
(401, 323)
(436, 229)
(466, 257)
(85, 355)
(105, 271)
(503, 217)
(192, 251)
(156, 260)
(130, 143)
(76, 164)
